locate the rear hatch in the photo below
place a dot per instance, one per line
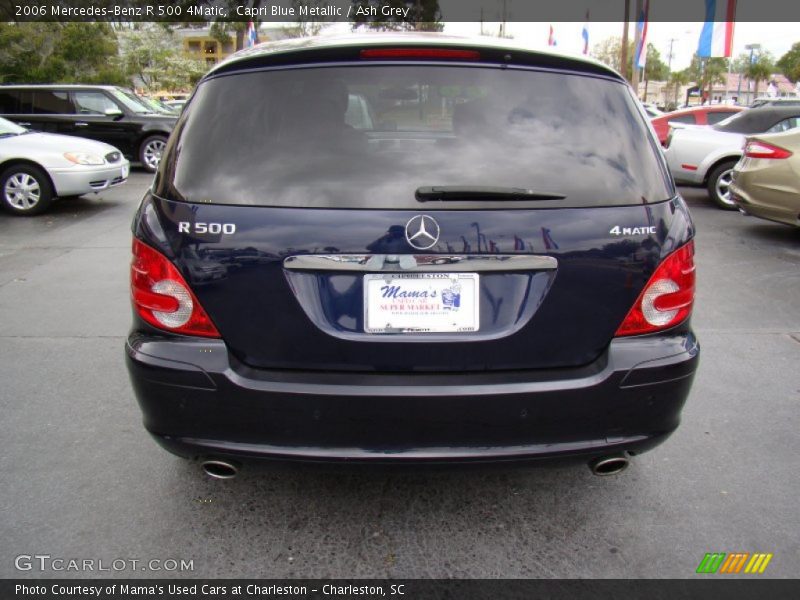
(424, 216)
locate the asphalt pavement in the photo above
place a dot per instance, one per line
(82, 480)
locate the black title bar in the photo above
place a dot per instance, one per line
(400, 589)
(408, 11)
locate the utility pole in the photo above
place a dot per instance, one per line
(637, 39)
(670, 55)
(730, 70)
(624, 49)
(623, 54)
(728, 80)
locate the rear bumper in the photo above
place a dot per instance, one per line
(773, 205)
(80, 179)
(199, 401)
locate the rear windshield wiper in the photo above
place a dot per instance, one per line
(479, 192)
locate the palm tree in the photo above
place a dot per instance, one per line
(759, 69)
(716, 70)
(677, 79)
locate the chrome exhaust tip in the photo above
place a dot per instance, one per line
(217, 468)
(609, 465)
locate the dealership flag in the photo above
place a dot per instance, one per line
(250, 37)
(551, 41)
(585, 34)
(547, 238)
(716, 39)
(641, 26)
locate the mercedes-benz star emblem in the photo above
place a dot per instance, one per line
(422, 232)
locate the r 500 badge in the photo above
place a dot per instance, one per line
(212, 228)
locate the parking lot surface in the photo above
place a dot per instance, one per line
(83, 480)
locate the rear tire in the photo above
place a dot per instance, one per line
(719, 181)
(26, 190)
(150, 151)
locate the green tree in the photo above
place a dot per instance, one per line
(223, 28)
(59, 52)
(654, 69)
(424, 15)
(789, 63)
(144, 49)
(757, 67)
(152, 54)
(177, 72)
(608, 52)
(708, 71)
(677, 79)
(24, 49)
(221, 31)
(90, 53)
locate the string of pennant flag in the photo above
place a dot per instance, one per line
(716, 37)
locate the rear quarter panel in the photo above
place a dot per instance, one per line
(702, 148)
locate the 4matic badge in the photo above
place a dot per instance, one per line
(646, 230)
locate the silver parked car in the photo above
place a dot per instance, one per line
(705, 156)
(36, 167)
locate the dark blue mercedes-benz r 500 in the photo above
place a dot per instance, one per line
(399, 248)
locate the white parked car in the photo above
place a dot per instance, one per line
(705, 156)
(36, 167)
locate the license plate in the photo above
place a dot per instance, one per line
(421, 302)
(125, 171)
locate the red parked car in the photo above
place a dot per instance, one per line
(696, 115)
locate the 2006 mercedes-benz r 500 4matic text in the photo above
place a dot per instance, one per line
(411, 248)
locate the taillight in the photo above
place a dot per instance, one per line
(667, 298)
(162, 297)
(420, 53)
(755, 149)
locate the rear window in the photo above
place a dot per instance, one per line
(16, 102)
(8, 102)
(785, 125)
(93, 103)
(133, 103)
(47, 102)
(683, 119)
(756, 120)
(715, 117)
(747, 121)
(370, 136)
